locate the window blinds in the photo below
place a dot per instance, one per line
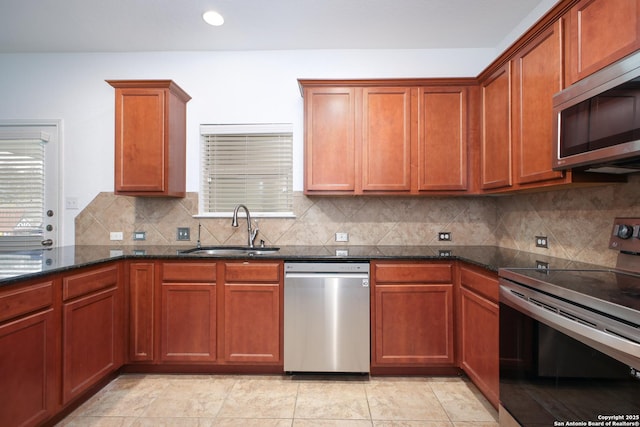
(248, 164)
(22, 169)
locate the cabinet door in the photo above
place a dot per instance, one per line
(537, 77)
(442, 144)
(27, 370)
(141, 311)
(141, 154)
(496, 130)
(479, 343)
(330, 147)
(414, 325)
(600, 33)
(386, 139)
(91, 341)
(252, 322)
(188, 322)
(150, 134)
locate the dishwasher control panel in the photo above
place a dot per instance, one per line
(326, 267)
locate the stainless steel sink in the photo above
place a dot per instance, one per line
(230, 250)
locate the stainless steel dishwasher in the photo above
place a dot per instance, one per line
(326, 317)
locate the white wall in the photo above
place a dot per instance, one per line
(226, 87)
(525, 24)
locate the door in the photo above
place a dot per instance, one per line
(29, 187)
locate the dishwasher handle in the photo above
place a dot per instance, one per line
(364, 276)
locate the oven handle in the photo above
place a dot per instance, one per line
(616, 346)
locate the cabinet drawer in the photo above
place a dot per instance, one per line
(25, 300)
(480, 283)
(89, 281)
(189, 272)
(414, 273)
(252, 272)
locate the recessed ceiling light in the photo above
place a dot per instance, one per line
(212, 17)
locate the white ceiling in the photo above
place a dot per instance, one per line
(177, 25)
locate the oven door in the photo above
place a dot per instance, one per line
(548, 377)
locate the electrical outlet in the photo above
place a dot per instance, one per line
(183, 233)
(444, 236)
(342, 237)
(542, 266)
(542, 242)
(139, 235)
(116, 235)
(71, 203)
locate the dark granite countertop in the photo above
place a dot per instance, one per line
(21, 265)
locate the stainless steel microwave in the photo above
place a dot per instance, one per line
(597, 121)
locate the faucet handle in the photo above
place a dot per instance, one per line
(254, 232)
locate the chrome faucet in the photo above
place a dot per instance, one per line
(251, 232)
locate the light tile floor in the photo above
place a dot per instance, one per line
(279, 401)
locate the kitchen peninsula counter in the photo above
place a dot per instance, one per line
(16, 266)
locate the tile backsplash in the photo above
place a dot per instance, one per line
(577, 222)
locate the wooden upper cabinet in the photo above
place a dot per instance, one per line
(496, 130)
(386, 139)
(443, 138)
(150, 138)
(396, 136)
(600, 33)
(329, 139)
(537, 76)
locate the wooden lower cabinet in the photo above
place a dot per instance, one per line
(479, 335)
(412, 317)
(188, 312)
(141, 306)
(252, 334)
(92, 329)
(252, 312)
(29, 355)
(188, 322)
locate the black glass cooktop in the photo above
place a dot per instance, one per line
(608, 291)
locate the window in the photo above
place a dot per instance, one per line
(28, 185)
(247, 164)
